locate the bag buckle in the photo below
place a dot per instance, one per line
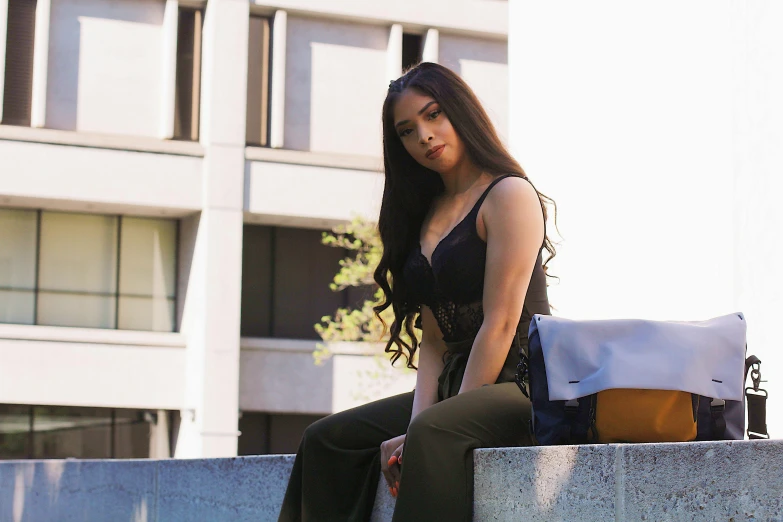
(717, 406)
(755, 376)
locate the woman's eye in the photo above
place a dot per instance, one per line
(434, 114)
(405, 132)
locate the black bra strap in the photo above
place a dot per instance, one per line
(486, 192)
(495, 182)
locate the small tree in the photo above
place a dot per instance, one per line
(360, 237)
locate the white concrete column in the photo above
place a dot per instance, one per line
(3, 37)
(213, 242)
(430, 50)
(169, 67)
(394, 53)
(159, 436)
(277, 109)
(40, 62)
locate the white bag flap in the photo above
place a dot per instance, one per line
(702, 357)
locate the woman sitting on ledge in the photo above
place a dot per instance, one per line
(463, 232)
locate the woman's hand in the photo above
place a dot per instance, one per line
(391, 458)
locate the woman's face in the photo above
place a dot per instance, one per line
(426, 131)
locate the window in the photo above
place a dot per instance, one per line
(18, 235)
(188, 83)
(77, 278)
(286, 274)
(84, 270)
(18, 91)
(58, 432)
(411, 50)
(258, 75)
(271, 433)
(147, 274)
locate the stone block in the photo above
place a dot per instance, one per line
(383, 509)
(233, 489)
(702, 481)
(545, 483)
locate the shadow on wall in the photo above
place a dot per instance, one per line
(484, 65)
(455, 49)
(87, 58)
(47, 490)
(334, 80)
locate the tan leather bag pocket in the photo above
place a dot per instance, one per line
(631, 415)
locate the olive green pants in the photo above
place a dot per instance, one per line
(337, 467)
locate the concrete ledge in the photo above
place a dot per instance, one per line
(705, 481)
(101, 141)
(696, 481)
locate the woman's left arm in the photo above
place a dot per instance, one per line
(515, 231)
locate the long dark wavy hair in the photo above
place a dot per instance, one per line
(410, 187)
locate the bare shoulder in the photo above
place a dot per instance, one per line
(513, 190)
(511, 196)
(511, 205)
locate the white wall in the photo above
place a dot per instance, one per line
(308, 196)
(105, 71)
(335, 86)
(104, 178)
(483, 64)
(87, 367)
(278, 375)
(657, 129)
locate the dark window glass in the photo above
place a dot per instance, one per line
(264, 433)
(286, 273)
(15, 432)
(188, 81)
(304, 268)
(258, 77)
(411, 50)
(256, 281)
(18, 90)
(60, 432)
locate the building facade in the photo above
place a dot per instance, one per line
(166, 170)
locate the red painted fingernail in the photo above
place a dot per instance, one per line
(397, 484)
(392, 460)
(394, 493)
(399, 459)
(391, 490)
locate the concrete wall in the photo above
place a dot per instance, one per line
(53, 365)
(279, 375)
(305, 195)
(483, 64)
(692, 481)
(98, 179)
(485, 18)
(335, 86)
(663, 155)
(105, 71)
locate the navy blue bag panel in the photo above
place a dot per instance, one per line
(733, 417)
(549, 418)
(551, 424)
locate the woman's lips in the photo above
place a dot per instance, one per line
(435, 152)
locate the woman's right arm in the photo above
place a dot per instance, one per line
(431, 363)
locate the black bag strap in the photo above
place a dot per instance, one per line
(756, 398)
(521, 375)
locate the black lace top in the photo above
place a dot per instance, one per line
(452, 287)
